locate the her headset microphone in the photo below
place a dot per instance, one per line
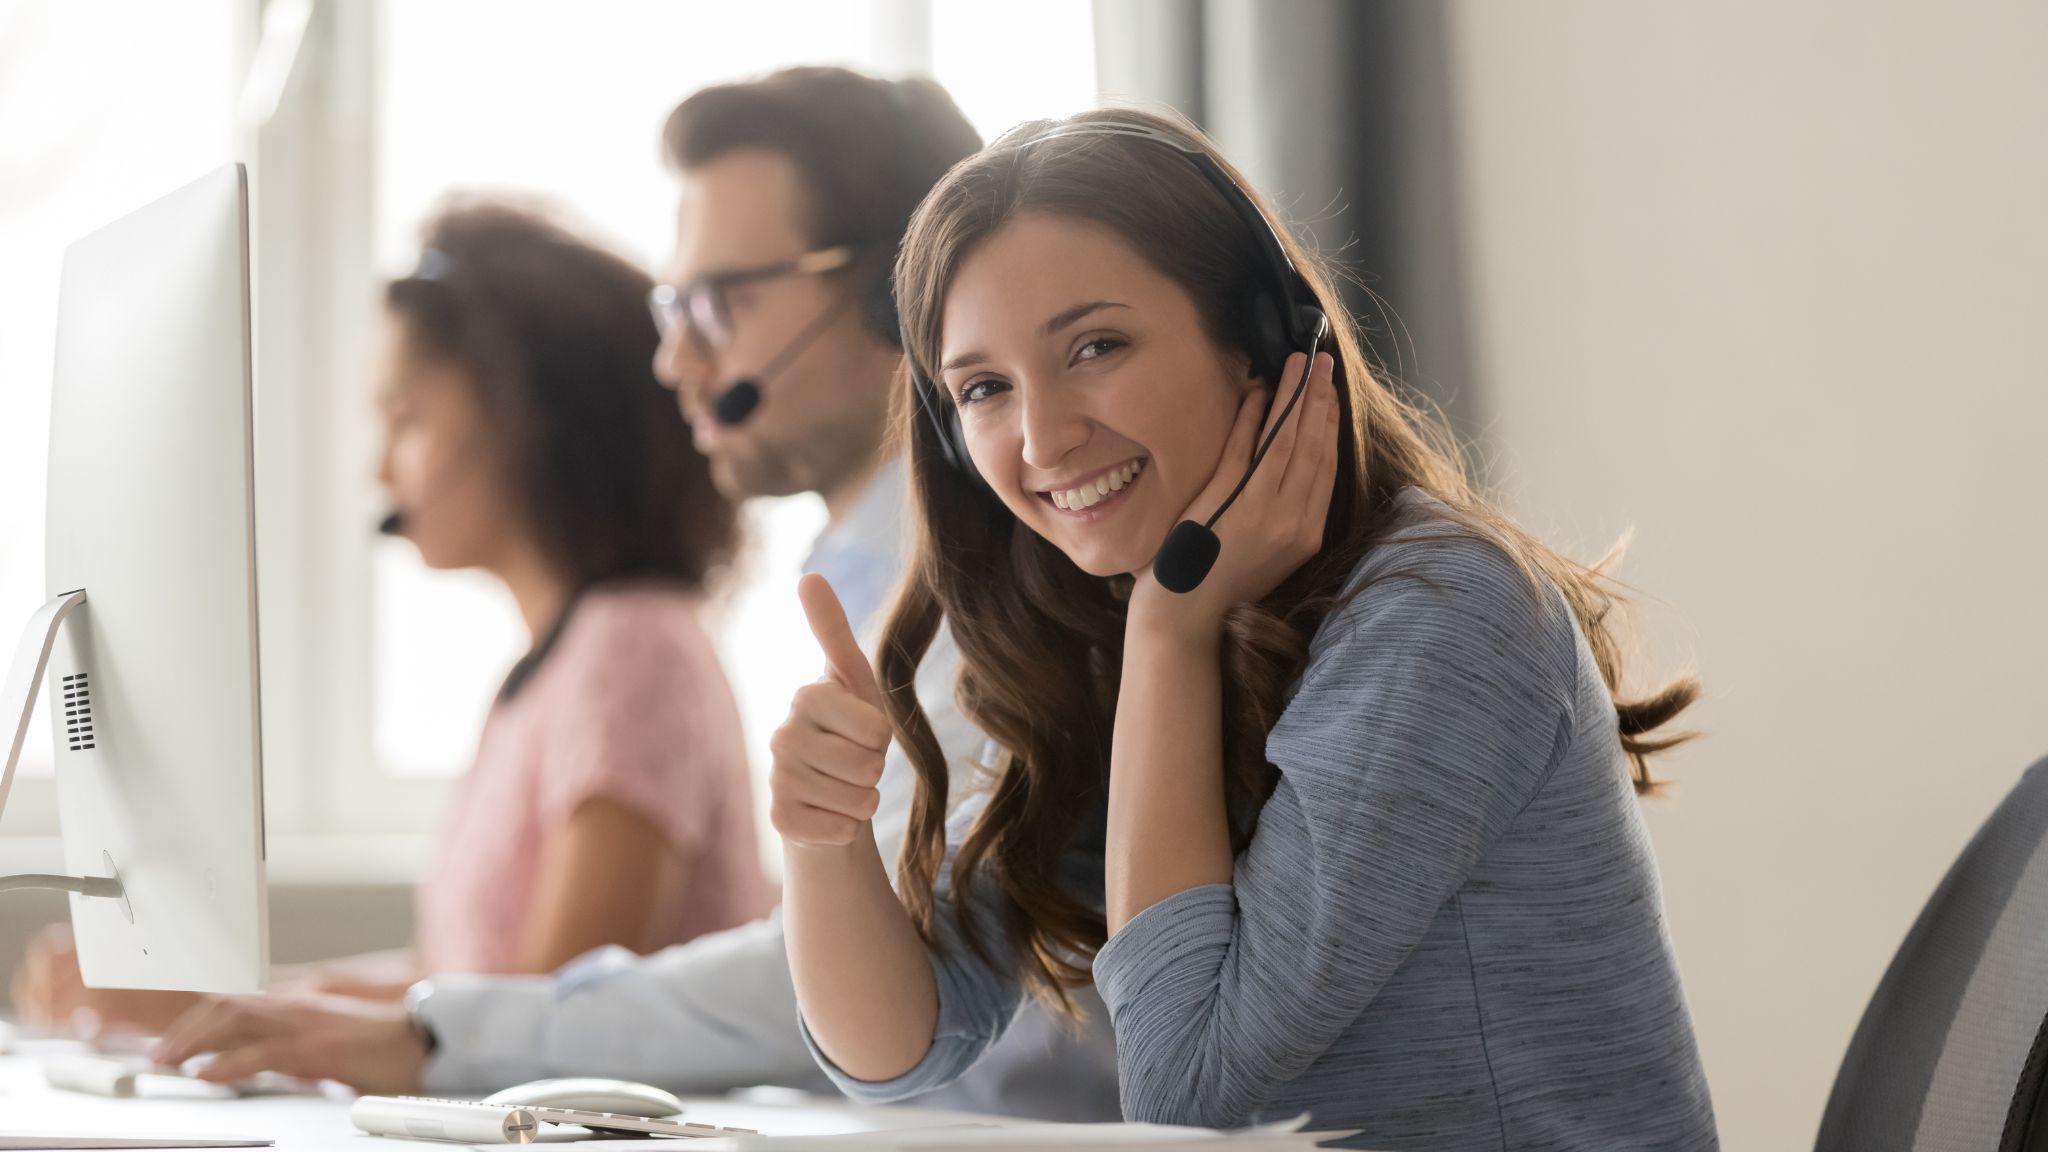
(397, 518)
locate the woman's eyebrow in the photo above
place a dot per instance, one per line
(1076, 314)
(1064, 319)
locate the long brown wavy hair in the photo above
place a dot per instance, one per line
(1041, 642)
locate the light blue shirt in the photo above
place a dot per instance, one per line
(864, 552)
(720, 1011)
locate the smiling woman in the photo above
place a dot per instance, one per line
(1349, 827)
(1061, 416)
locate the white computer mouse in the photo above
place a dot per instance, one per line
(592, 1094)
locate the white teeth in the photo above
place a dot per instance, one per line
(1090, 494)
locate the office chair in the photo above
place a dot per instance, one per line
(1952, 1053)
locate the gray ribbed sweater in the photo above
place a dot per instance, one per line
(1447, 931)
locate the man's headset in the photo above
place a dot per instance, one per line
(737, 402)
(1285, 318)
(876, 296)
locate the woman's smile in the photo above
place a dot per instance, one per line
(1095, 494)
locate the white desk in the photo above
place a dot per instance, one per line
(312, 1124)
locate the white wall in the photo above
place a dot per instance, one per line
(1769, 281)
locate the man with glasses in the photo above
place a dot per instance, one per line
(779, 337)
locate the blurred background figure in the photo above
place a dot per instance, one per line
(524, 436)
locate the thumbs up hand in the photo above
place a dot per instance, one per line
(828, 753)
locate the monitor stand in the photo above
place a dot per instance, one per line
(17, 705)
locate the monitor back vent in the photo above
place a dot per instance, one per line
(78, 711)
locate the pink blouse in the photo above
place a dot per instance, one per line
(630, 704)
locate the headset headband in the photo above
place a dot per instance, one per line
(1285, 274)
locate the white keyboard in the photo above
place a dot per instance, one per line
(122, 1076)
(474, 1122)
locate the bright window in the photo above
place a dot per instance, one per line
(588, 139)
(388, 108)
(97, 118)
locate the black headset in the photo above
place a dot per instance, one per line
(1285, 317)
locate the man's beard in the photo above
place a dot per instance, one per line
(830, 454)
(768, 473)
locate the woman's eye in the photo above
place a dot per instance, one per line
(1097, 348)
(977, 391)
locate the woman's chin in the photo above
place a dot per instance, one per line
(1101, 548)
(437, 555)
(1121, 560)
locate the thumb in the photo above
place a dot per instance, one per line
(849, 665)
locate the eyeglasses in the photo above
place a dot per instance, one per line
(702, 309)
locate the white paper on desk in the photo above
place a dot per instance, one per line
(40, 1141)
(1279, 1136)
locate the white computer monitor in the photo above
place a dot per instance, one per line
(152, 673)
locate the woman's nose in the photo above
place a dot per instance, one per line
(1052, 427)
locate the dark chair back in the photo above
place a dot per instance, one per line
(1952, 1052)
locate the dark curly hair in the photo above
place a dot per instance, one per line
(555, 334)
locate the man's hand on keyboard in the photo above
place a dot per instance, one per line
(371, 1047)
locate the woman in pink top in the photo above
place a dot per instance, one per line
(524, 434)
(609, 802)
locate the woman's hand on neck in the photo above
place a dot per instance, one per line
(1278, 521)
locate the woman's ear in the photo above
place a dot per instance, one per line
(1237, 368)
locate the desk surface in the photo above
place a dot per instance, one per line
(297, 1123)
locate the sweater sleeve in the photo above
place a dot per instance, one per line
(978, 996)
(1433, 706)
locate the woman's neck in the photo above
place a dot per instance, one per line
(538, 589)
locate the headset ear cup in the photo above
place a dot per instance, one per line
(1268, 340)
(1311, 326)
(943, 420)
